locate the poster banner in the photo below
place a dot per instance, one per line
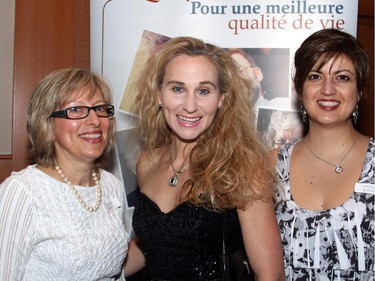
(261, 35)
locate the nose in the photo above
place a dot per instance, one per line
(328, 87)
(92, 118)
(190, 103)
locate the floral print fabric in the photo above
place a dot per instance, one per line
(334, 244)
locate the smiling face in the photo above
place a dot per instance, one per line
(190, 95)
(82, 140)
(330, 94)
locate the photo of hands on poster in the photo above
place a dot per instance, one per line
(279, 127)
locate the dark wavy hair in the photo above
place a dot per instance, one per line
(322, 46)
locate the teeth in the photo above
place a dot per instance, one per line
(328, 103)
(90, 136)
(189, 119)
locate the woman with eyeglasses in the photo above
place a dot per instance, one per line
(62, 218)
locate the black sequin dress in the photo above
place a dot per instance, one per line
(185, 243)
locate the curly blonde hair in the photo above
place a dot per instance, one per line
(229, 166)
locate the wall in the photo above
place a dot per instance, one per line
(365, 34)
(7, 11)
(48, 35)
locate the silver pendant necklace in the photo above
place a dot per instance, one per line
(173, 181)
(338, 168)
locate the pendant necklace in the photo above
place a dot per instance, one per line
(174, 179)
(80, 200)
(338, 168)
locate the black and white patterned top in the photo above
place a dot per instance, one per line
(334, 244)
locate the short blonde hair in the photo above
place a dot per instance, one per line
(52, 92)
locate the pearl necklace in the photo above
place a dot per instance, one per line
(338, 168)
(173, 181)
(76, 194)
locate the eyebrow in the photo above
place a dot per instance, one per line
(336, 72)
(202, 83)
(75, 103)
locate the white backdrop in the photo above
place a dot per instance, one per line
(117, 27)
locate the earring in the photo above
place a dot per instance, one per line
(355, 114)
(160, 108)
(303, 114)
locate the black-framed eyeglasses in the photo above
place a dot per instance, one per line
(81, 111)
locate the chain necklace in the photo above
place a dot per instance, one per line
(174, 179)
(338, 168)
(76, 194)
